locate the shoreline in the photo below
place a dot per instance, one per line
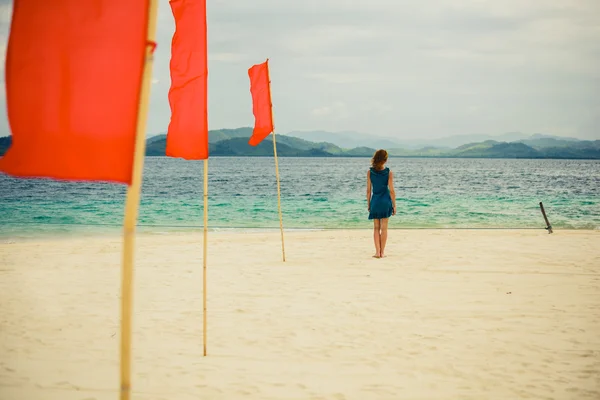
(110, 231)
(218, 234)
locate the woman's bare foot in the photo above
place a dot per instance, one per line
(381, 255)
(376, 256)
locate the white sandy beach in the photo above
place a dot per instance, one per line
(449, 314)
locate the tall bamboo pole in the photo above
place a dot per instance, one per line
(205, 253)
(276, 167)
(205, 192)
(131, 209)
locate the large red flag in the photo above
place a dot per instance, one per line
(187, 136)
(73, 77)
(261, 102)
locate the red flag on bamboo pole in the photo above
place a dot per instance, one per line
(73, 77)
(187, 136)
(261, 102)
(262, 108)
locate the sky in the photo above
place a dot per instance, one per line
(396, 68)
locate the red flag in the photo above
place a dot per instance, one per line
(73, 78)
(187, 136)
(261, 102)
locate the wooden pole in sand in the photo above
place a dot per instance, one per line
(205, 253)
(548, 226)
(276, 167)
(278, 196)
(132, 206)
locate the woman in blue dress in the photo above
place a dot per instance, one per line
(381, 199)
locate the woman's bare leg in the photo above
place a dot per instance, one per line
(383, 235)
(377, 237)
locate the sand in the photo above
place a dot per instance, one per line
(449, 314)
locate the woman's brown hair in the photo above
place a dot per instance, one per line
(379, 158)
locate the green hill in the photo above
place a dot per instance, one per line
(156, 146)
(5, 144)
(240, 147)
(234, 142)
(214, 136)
(477, 146)
(428, 151)
(572, 153)
(359, 152)
(306, 145)
(497, 150)
(218, 135)
(547, 143)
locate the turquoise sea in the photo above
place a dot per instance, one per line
(316, 193)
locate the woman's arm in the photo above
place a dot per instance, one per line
(369, 190)
(392, 192)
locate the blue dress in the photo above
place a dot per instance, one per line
(381, 201)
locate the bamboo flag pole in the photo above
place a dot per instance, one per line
(205, 251)
(205, 192)
(278, 195)
(276, 166)
(131, 208)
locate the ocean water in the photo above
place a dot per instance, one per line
(316, 193)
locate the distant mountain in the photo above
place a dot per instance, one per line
(474, 147)
(541, 143)
(214, 136)
(156, 145)
(460, 140)
(349, 139)
(218, 135)
(306, 145)
(234, 142)
(346, 140)
(240, 147)
(544, 136)
(422, 152)
(571, 153)
(360, 152)
(5, 143)
(491, 149)
(293, 146)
